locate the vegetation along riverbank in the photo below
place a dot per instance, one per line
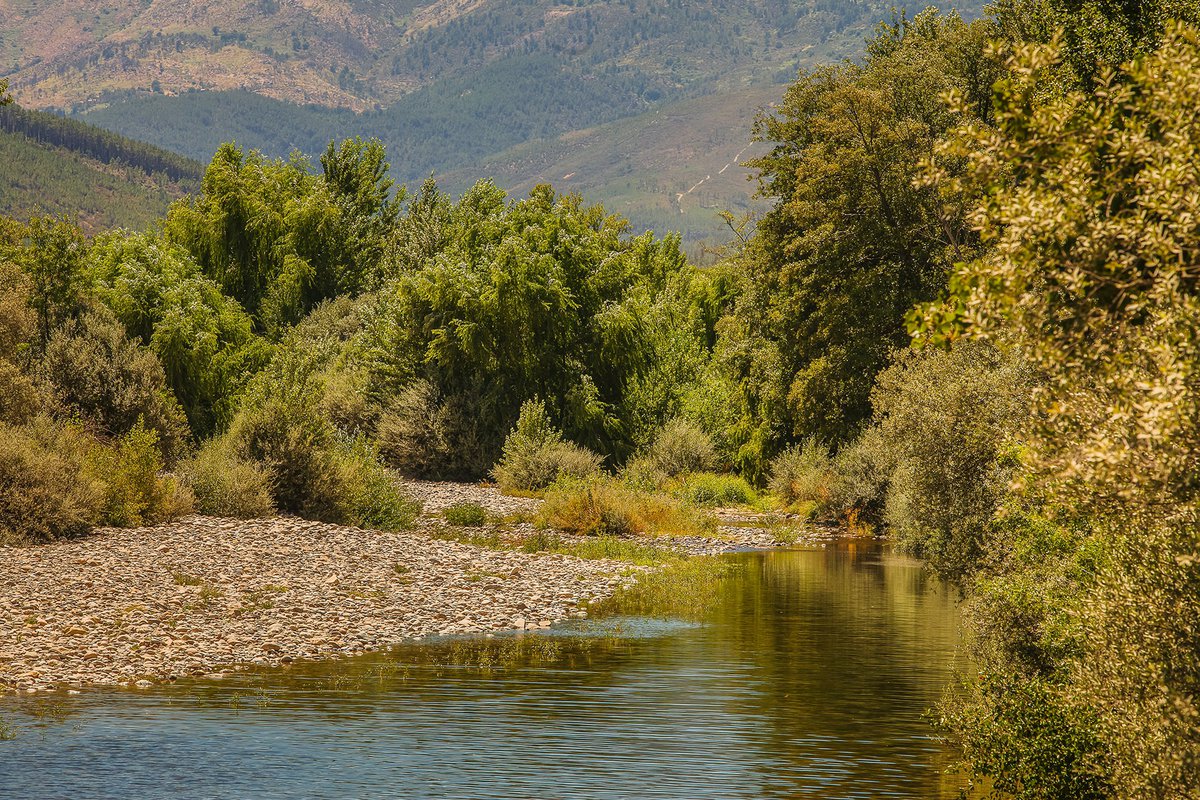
(970, 321)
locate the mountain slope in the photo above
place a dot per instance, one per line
(59, 166)
(358, 53)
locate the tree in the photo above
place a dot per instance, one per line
(1091, 210)
(854, 238)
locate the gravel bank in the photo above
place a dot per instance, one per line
(203, 595)
(207, 595)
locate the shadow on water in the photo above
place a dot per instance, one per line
(806, 677)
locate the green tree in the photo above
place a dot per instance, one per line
(1093, 271)
(53, 255)
(278, 238)
(539, 297)
(854, 238)
(203, 338)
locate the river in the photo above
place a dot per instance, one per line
(808, 676)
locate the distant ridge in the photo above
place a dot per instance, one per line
(59, 166)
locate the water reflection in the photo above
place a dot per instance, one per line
(808, 679)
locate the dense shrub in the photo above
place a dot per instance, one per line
(466, 515)
(805, 475)
(43, 496)
(135, 491)
(422, 435)
(225, 485)
(711, 489)
(20, 398)
(681, 447)
(98, 374)
(603, 507)
(945, 420)
(371, 495)
(284, 436)
(535, 454)
(18, 323)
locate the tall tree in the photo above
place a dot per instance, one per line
(854, 238)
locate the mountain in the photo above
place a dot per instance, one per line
(61, 166)
(460, 88)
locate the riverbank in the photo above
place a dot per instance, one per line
(204, 595)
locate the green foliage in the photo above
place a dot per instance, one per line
(371, 495)
(945, 420)
(535, 455)
(854, 239)
(805, 475)
(43, 496)
(202, 338)
(102, 377)
(1094, 36)
(135, 493)
(465, 515)
(604, 507)
(1090, 274)
(281, 433)
(279, 239)
(711, 489)
(225, 485)
(540, 297)
(53, 257)
(20, 398)
(681, 447)
(425, 436)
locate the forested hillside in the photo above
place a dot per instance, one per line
(449, 87)
(61, 166)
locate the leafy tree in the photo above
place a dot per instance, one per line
(53, 255)
(1089, 208)
(1094, 36)
(539, 297)
(280, 239)
(854, 238)
(203, 338)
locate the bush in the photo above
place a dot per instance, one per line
(805, 475)
(465, 515)
(285, 437)
(711, 489)
(227, 486)
(371, 495)
(680, 448)
(424, 436)
(535, 455)
(104, 378)
(135, 492)
(945, 420)
(20, 399)
(609, 508)
(43, 496)
(18, 322)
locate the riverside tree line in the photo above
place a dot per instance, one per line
(971, 320)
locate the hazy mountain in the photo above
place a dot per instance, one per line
(450, 86)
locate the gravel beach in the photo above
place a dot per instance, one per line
(202, 595)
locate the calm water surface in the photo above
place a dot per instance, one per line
(808, 678)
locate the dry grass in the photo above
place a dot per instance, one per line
(608, 508)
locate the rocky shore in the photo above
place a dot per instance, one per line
(202, 595)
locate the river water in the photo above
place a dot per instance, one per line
(807, 676)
